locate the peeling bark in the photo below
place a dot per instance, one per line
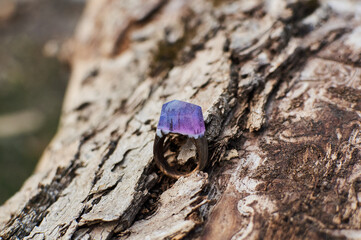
(279, 85)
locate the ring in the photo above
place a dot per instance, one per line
(185, 119)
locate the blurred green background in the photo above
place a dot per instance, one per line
(32, 82)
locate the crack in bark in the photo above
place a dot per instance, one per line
(35, 209)
(301, 9)
(295, 62)
(140, 197)
(119, 163)
(350, 63)
(289, 66)
(111, 148)
(97, 196)
(122, 40)
(83, 106)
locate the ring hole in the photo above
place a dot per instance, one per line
(180, 153)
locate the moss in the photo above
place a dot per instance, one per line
(170, 54)
(217, 3)
(166, 56)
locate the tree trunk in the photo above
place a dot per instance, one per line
(279, 85)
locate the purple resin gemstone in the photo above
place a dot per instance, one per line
(181, 117)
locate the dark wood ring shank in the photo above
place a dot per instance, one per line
(158, 150)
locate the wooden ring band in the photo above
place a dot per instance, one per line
(158, 149)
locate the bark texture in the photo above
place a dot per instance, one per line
(279, 85)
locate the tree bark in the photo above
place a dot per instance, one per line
(279, 85)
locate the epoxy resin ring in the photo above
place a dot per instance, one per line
(185, 119)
